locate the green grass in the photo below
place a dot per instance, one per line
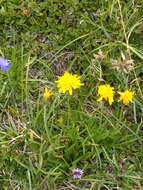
(41, 143)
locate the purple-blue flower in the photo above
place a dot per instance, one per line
(77, 173)
(4, 64)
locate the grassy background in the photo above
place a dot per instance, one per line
(41, 143)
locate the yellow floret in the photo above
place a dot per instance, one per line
(106, 92)
(126, 97)
(47, 94)
(68, 82)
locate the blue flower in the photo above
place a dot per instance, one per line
(4, 64)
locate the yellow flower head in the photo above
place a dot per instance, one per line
(106, 92)
(68, 82)
(47, 94)
(126, 97)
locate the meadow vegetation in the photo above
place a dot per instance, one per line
(72, 96)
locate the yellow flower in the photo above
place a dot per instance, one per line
(47, 94)
(106, 92)
(126, 97)
(68, 82)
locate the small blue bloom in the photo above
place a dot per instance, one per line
(4, 64)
